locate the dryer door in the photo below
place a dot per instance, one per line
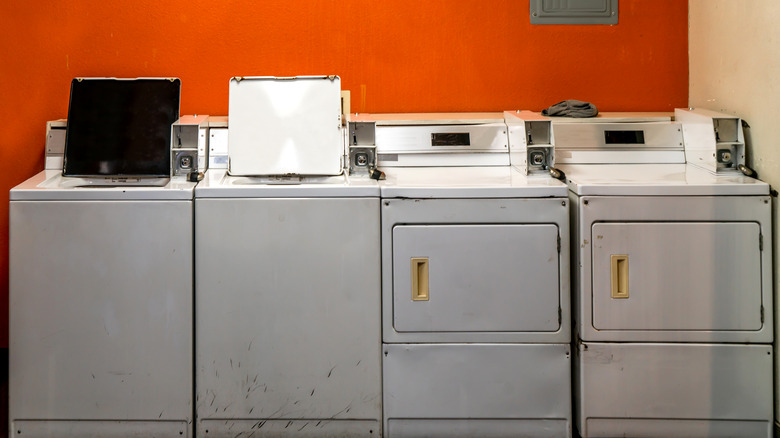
(476, 278)
(684, 276)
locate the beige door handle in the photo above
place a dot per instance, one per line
(419, 278)
(619, 275)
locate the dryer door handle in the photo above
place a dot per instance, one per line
(619, 275)
(419, 278)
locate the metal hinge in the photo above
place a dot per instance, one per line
(560, 316)
(559, 244)
(762, 314)
(760, 241)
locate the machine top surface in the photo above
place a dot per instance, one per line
(657, 180)
(218, 184)
(468, 182)
(50, 185)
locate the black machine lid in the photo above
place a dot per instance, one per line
(120, 127)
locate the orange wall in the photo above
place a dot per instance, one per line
(394, 55)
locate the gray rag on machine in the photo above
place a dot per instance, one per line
(571, 108)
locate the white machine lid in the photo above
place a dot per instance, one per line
(468, 182)
(282, 126)
(218, 184)
(50, 185)
(657, 180)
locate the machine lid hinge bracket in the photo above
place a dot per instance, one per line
(559, 244)
(762, 314)
(560, 316)
(760, 241)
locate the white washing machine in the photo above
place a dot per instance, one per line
(287, 279)
(100, 300)
(475, 279)
(672, 279)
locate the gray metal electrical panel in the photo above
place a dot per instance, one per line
(574, 11)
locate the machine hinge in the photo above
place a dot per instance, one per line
(760, 241)
(560, 316)
(762, 314)
(559, 244)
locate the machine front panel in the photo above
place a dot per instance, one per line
(674, 390)
(490, 277)
(494, 270)
(509, 389)
(288, 314)
(677, 276)
(674, 269)
(101, 327)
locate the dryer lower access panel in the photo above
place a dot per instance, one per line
(673, 390)
(470, 390)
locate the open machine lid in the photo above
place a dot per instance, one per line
(285, 126)
(120, 127)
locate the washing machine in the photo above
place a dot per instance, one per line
(673, 276)
(475, 277)
(287, 271)
(101, 277)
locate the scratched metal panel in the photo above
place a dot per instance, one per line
(100, 429)
(101, 315)
(674, 390)
(288, 314)
(490, 384)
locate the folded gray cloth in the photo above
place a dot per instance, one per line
(571, 108)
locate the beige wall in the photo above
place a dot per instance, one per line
(734, 67)
(734, 57)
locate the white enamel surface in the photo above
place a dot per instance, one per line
(218, 184)
(51, 185)
(468, 182)
(657, 180)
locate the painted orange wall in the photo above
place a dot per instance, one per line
(394, 55)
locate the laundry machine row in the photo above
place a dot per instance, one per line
(692, 356)
(473, 304)
(433, 303)
(701, 343)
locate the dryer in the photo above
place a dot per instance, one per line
(475, 279)
(287, 315)
(101, 289)
(672, 278)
